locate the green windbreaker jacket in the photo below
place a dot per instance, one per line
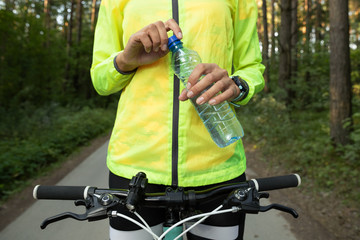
(154, 133)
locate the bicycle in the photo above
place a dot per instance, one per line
(181, 205)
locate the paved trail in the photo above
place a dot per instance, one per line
(93, 172)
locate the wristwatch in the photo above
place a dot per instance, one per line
(244, 88)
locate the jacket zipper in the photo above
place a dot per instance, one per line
(175, 119)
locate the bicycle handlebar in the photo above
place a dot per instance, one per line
(81, 192)
(61, 192)
(100, 203)
(273, 183)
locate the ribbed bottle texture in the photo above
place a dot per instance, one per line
(219, 120)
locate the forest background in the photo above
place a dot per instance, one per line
(306, 120)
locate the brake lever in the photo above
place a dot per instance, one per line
(97, 208)
(280, 208)
(80, 217)
(249, 202)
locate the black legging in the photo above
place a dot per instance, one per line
(155, 216)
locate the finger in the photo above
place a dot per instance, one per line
(229, 91)
(153, 32)
(145, 40)
(213, 74)
(212, 91)
(222, 97)
(235, 90)
(204, 69)
(182, 96)
(163, 35)
(171, 24)
(194, 79)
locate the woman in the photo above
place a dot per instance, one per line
(156, 133)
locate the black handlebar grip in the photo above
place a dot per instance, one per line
(272, 183)
(60, 192)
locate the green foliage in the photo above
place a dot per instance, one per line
(312, 81)
(35, 64)
(351, 153)
(34, 138)
(309, 85)
(265, 113)
(355, 66)
(29, 70)
(299, 141)
(48, 106)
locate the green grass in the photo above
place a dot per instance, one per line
(33, 139)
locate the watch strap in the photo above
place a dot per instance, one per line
(244, 88)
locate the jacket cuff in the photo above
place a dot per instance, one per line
(121, 72)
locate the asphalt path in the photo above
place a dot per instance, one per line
(93, 172)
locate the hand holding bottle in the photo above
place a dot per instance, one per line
(218, 118)
(147, 45)
(213, 75)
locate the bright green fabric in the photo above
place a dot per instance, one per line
(222, 32)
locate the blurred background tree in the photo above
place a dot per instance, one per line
(308, 119)
(48, 107)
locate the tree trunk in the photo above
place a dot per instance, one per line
(70, 28)
(357, 39)
(265, 50)
(285, 46)
(294, 35)
(93, 15)
(308, 24)
(78, 21)
(76, 81)
(318, 22)
(47, 21)
(308, 4)
(272, 32)
(69, 42)
(66, 22)
(47, 13)
(340, 85)
(9, 5)
(294, 41)
(357, 18)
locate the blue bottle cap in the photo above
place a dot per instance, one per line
(173, 40)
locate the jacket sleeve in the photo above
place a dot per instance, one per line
(247, 56)
(107, 44)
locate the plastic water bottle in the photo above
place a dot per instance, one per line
(219, 119)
